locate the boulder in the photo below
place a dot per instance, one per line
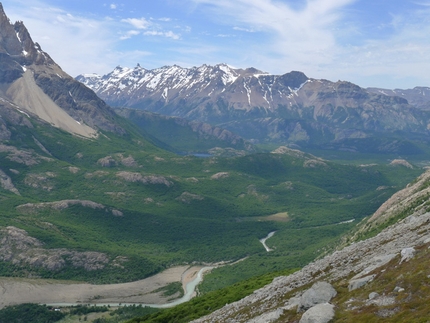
(373, 295)
(320, 292)
(321, 313)
(360, 282)
(407, 254)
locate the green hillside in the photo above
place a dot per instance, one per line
(153, 209)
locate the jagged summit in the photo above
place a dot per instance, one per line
(32, 82)
(15, 41)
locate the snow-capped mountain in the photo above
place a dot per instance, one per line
(175, 86)
(289, 108)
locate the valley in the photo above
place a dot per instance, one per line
(232, 173)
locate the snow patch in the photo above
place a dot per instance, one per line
(25, 113)
(165, 92)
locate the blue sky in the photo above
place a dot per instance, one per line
(383, 43)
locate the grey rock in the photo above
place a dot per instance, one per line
(373, 295)
(407, 254)
(360, 282)
(18, 248)
(320, 292)
(398, 289)
(321, 313)
(6, 183)
(268, 317)
(376, 263)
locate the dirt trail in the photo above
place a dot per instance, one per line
(19, 290)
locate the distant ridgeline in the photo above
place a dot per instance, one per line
(289, 109)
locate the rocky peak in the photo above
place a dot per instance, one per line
(34, 83)
(9, 43)
(293, 79)
(16, 42)
(31, 52)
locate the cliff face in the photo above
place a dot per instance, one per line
(378, 278)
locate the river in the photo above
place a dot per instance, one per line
(263, 241)
(188, 294)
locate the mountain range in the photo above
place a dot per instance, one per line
(290, 109)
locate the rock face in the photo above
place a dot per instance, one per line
(358, 266)
(35, 85)
(6, 183)
(289, 108)
(30, 208)
(17, 247)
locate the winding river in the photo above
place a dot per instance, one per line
(189, 293)
(189, 290)
(263, 241)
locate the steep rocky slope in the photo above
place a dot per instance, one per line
(290, 108)
(31, 82)
(384, 278)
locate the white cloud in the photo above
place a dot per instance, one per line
(248, 30)
(130, 34)
(167, 34)
(140, 23)
(301, 35)
(317, 38)
(113, 6)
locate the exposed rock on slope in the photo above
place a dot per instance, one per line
(19, 248)
(363, 266)
(64, 204)
(6, 183)
(147, 179)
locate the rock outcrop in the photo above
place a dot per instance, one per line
(18, 248)
(30, 208)
(319, 293)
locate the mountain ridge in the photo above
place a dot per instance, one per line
(264, 108)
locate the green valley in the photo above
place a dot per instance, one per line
(147, 209)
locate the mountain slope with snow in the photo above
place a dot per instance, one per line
(287, 109)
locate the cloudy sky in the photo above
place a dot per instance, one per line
(384, 43)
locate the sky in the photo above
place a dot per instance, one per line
(372, 43)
